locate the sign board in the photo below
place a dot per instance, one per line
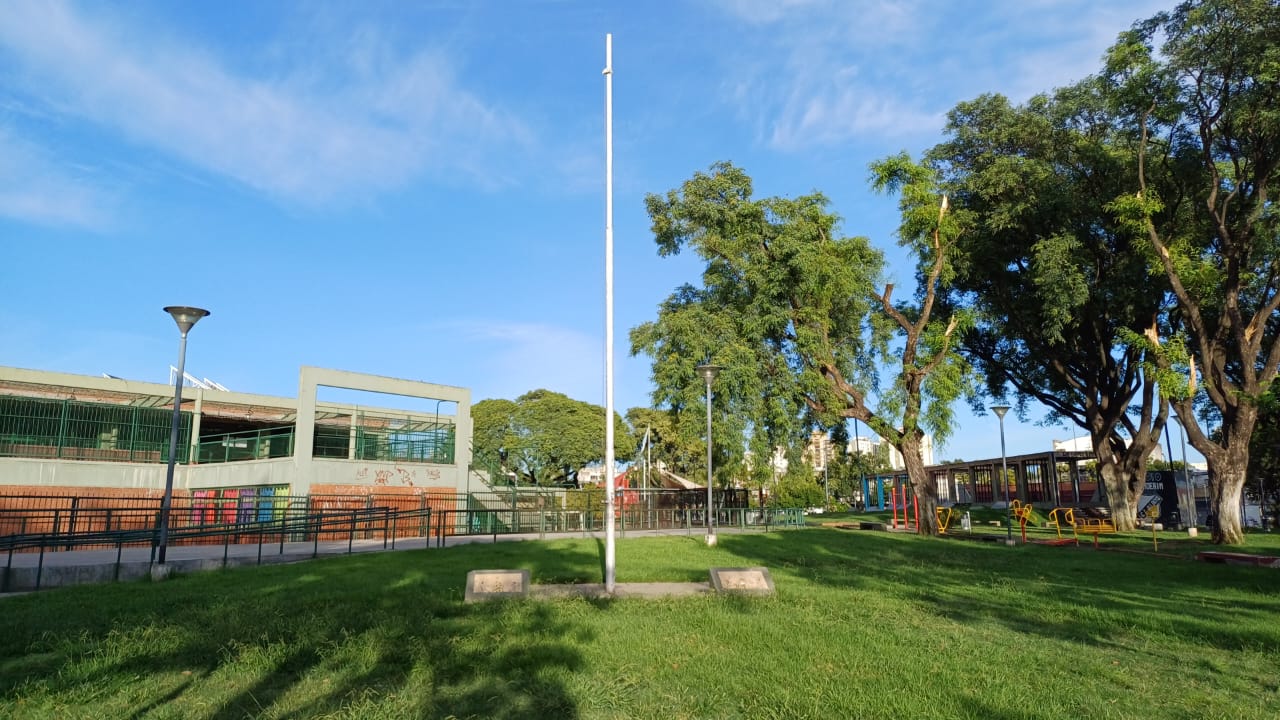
(496, 584)
(742, 581)
(1159, 501)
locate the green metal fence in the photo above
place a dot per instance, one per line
(248, 445)
(74, 430)
(406, 441)
(46, 428)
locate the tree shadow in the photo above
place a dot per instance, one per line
(1064, 593)
(339, 636)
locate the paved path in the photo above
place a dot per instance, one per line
(76, 567)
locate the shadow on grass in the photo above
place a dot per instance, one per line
(1062, 593)
(388, 635)
(370, 636)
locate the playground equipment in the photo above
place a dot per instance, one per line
(1094, 527)
(944, 515)
(1060, 516)
(877, 487)
(907, 517)
(1021, 511)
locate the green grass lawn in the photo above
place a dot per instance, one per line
(864, 624)
(989, 522)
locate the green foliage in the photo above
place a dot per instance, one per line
(492, 423)
(779, 287)
(1049, 263)
(792, 310)
(1194, 91)
(679, 448)
(543, 437)
(798, 490)
(590, 497)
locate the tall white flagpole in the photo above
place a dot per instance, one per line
(610, 569)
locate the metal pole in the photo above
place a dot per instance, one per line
(1004, 479)
(167, 503)
(710, 507)
(862, 476)
(1000, 410)
(826, 492)
(1186, 475)
(610, 570)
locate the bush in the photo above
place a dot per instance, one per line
(795, 492)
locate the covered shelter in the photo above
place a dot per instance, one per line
(1047, 479)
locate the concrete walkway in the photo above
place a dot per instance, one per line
(79, 567)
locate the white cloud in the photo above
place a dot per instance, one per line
(820, 73)
(35, 188)
(364, 122)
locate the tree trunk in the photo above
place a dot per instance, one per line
(1123, 491)
(1224, 503)
(926, 490)
(1228, 464)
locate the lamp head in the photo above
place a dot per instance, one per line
(1000, 410)
(186, 317)
(708, 372)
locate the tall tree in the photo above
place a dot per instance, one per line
(1053, 273)
(672, 445)
(492, 422)
(795, 313)
(543, 437)
(1205, 109)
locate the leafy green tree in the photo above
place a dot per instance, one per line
(543, 437)
(1203, 112)
(677, 447)
(1053, 275)
(491, 422)
(794, 313)
(849, 468)
(799, 489)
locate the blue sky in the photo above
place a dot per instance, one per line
(416, 189)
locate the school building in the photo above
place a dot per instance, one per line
(65, 435)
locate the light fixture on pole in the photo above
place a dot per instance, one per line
(708, 373)
(186, 317)
(1000, 410)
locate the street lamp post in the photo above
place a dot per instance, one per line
(1000, 410)
(708, 373)
(862, 476)
(826, 484)
(186, 317)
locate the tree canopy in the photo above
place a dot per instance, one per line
(1053, 273)
(796, 314)
(542, 437)
(1198, 90)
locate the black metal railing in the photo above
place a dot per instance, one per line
(385, 524)
(68, 524)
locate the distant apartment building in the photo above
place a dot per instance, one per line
(819, 450)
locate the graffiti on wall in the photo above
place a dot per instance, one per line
(397, 475)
